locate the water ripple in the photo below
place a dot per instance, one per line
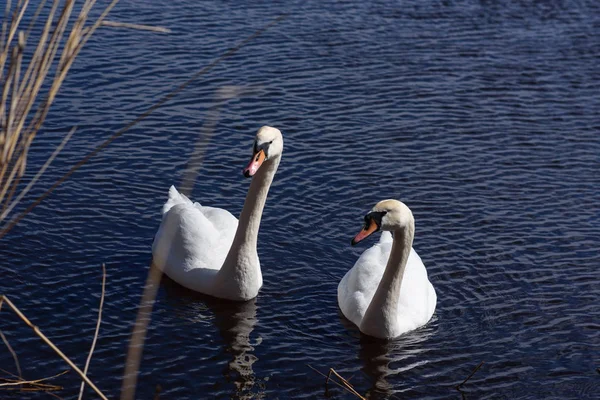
(480, 115)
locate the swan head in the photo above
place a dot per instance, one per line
(387, 215)
(268, 145)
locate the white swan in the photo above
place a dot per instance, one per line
(204, 248)
(387, 292)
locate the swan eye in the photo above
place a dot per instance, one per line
(375, 216)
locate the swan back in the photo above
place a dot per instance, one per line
(192, 236)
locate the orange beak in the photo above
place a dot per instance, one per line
(367, 231)
(255, 163)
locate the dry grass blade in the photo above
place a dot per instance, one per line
(140, 27)
(52, 345)
(344, 383)
(136, 345)
(7, 227)
(89, 359)
(33, 181)
(469, 377)
(24, 101)
(35, 384)
(12, 352)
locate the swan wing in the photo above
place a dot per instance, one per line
(417, 296)
(192, 236)
(222, 220)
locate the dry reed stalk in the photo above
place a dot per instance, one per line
(140, 27)
(136, 344)
(57, 47)
(35, 384)
(9, 225)
(20, 90)
(14, 354)
(140, 328)
(8, 207)
(469, 377)
(87, 363)
(344, 383)
(4, 299)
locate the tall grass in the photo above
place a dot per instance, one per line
(29, 87)
(30, 82)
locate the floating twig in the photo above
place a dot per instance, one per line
(469, 377)
(37, 386)
(344, 385)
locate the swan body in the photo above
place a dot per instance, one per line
(387, 292)
(207, 249)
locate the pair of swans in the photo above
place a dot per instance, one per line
(208, 250)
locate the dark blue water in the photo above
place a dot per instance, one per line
(482, 116)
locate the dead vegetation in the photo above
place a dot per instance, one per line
(30, 84)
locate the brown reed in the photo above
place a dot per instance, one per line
(24, 99)
(343, 383)
(23, 104)
(98, 322)
(34, 385)
(18, 129)
(4, 299)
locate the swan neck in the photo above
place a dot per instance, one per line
(241, 264)
(382, 313)
(250, 217)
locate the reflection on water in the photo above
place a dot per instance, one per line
(481, 115)
(235, 322)
(379, 356)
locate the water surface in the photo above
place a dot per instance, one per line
(482, 116)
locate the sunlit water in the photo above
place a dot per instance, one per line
(482, 116)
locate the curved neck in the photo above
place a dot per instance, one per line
(382, 314)
(247, 231)
(242, 258)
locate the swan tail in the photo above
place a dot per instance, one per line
(175, 198)
(386, 237)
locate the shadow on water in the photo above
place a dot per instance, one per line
(235, 322)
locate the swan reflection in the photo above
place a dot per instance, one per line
(235, 322)
(385, 360)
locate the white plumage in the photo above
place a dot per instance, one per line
(207, 249)
(404, 297)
